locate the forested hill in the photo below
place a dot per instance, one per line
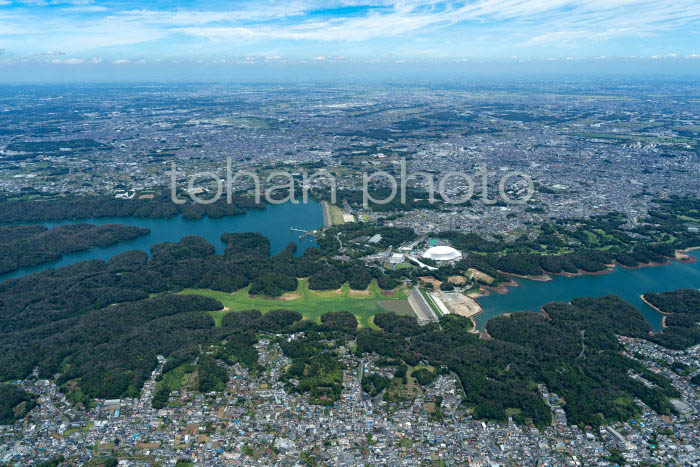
(14, 403)
(23, 246)
(681, 328)
(66, 322)
(573, 349)
(36, 307)
(100, 325)
(83, 207)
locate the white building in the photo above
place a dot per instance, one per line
(442, 253)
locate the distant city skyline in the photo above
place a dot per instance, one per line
(94, 36)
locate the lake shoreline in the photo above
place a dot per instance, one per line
(541, 278)
(276, 222)
(644, 299)
(684, 257)
(680, 256)
(486, 290)
(665, 313)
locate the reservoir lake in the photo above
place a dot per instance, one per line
(628, 284)
(277, 221)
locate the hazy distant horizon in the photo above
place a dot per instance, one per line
(107, 40)
(437, 71)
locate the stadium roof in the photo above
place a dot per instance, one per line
(442, 253)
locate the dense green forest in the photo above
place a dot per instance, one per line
(573, 349)
(681, 328)
(110, 351)
(100, 325)
(424, 376)
(14, 403)
(23, 246)
(578, 356)
(83, 207)
(44, 314)
(210, 376)
(415, 199)
(316, 368)
(373, 384)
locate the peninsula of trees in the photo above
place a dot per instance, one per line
(23, 246)
(159, 206)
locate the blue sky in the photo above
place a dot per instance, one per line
(96, 33)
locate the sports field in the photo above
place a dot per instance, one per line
(364, 304)
(336, 215)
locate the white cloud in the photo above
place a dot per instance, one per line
(76, 61)
(552, 20)
(491, 24)
(86, 9)
(50, 53)
(68, 61)
(56, 2)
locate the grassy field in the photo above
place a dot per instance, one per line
(248, 123)
(623, 137)
(310, 303)
(336, 215)
(400, 307)
(174, 379)
(75, 430)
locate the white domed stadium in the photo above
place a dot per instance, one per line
(442, 253)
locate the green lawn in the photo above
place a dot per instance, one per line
(249, 123)
(336, 215)
(310, 303)
(176, 378)
(75, 430)
(633, 137)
